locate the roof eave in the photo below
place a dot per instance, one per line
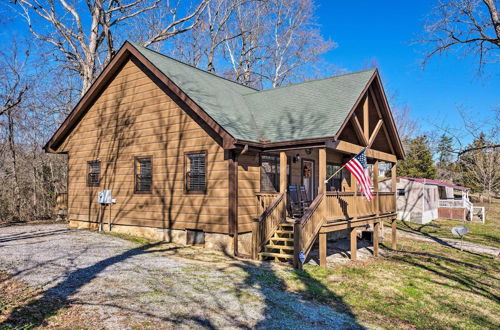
(126, 52)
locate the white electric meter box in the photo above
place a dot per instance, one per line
(104, 197)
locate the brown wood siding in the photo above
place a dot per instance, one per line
(248, 186)
(134, 117)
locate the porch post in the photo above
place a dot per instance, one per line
(393, 179)
(375, 188)
(283, 176)
(376, 231)
(394, 191)
(322, 249)
(322, 171)
(354, 207)
(283, 183)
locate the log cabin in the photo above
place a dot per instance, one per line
(194, 158)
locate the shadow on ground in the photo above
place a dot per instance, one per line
(278, 308)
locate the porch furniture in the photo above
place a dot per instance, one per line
(303, 196)
(296, 205)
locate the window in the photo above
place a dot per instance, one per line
(93, 173)
(269, 173)
(401, 192)
(333, 183)
(143, 175)
(196, 172)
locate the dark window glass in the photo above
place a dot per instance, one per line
(93, 173)
(143, 174)
(401, 192)
(335, 182)
(269, 173)
(196, 172)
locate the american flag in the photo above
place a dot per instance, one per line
(358, 167)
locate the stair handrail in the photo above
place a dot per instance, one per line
(312, 220)
(260, 234)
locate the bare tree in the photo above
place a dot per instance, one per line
(30, 178)
(278, 43)
(13, 84)
(294, 42)
(472, 26)
(480, 167)
(203, 45)
(246, 53)
(82, 35)
(407, 127)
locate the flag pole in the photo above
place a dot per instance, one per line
(331, 176)
(340, 169)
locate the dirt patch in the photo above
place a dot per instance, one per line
(115, 283)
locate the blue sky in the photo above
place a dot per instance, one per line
(369, 30)
(384, 30)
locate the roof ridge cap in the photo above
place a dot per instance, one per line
(310, 81)
(192, 66)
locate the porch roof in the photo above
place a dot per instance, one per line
(312, 109)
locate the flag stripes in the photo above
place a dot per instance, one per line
(359, 168)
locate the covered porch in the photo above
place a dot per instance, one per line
(329, 206)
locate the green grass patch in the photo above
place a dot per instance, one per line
(423, 286)
(479, 233)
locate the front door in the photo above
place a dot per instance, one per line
(308, 178)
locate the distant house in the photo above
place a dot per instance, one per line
(194, 158)
(421, 200)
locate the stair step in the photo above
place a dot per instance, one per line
(276, 255)
(283, 247)
(284, 232)
(282, 239)
(285, 224)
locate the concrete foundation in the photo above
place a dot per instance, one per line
(213, 241)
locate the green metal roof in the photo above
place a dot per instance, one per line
(311, 109)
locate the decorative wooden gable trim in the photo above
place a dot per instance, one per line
(371, 121)
(129, 52)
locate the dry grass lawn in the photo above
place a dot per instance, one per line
(421, 286)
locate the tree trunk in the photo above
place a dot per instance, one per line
(12, 147)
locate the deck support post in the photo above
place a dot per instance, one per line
(354, 243)
(394, 235)
(376, 232)
(296, 245)
(323, 248)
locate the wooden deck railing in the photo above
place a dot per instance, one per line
(268, 222)
(306, 229)
(387, 202)
(264, 200)
(345, 205)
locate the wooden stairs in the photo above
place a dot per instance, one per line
(280, 245)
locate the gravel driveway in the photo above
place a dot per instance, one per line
(121, 284)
